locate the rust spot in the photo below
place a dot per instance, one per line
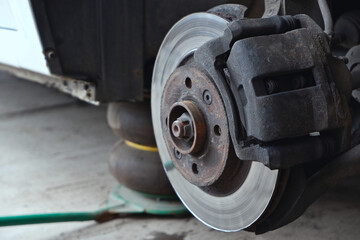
(202, 161)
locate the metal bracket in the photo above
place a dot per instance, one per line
(80, 89)
(273, 8)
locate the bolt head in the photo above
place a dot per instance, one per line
(182, 127)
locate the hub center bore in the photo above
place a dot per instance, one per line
(188, 129)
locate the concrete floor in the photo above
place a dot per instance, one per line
(54, 153)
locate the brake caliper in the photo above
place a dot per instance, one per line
(288, 101)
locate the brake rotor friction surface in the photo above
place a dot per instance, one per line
(187, 85)
(244, 206)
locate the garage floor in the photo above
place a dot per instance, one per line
(53, 157)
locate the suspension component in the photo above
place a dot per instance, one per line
(134, 159)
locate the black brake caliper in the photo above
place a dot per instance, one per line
(284, 103)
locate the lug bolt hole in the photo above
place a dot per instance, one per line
(217, 130)
(188, 82)
(177, 154)
(207, 97)
(195, 168)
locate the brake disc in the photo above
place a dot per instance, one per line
(246, 188)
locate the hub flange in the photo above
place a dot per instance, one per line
(195, 126)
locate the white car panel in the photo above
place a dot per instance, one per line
(20, 44)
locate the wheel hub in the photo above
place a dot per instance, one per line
(194, 125)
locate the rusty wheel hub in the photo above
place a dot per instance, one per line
(195, 126)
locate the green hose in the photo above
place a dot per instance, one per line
(50, 218)
(122, 202)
